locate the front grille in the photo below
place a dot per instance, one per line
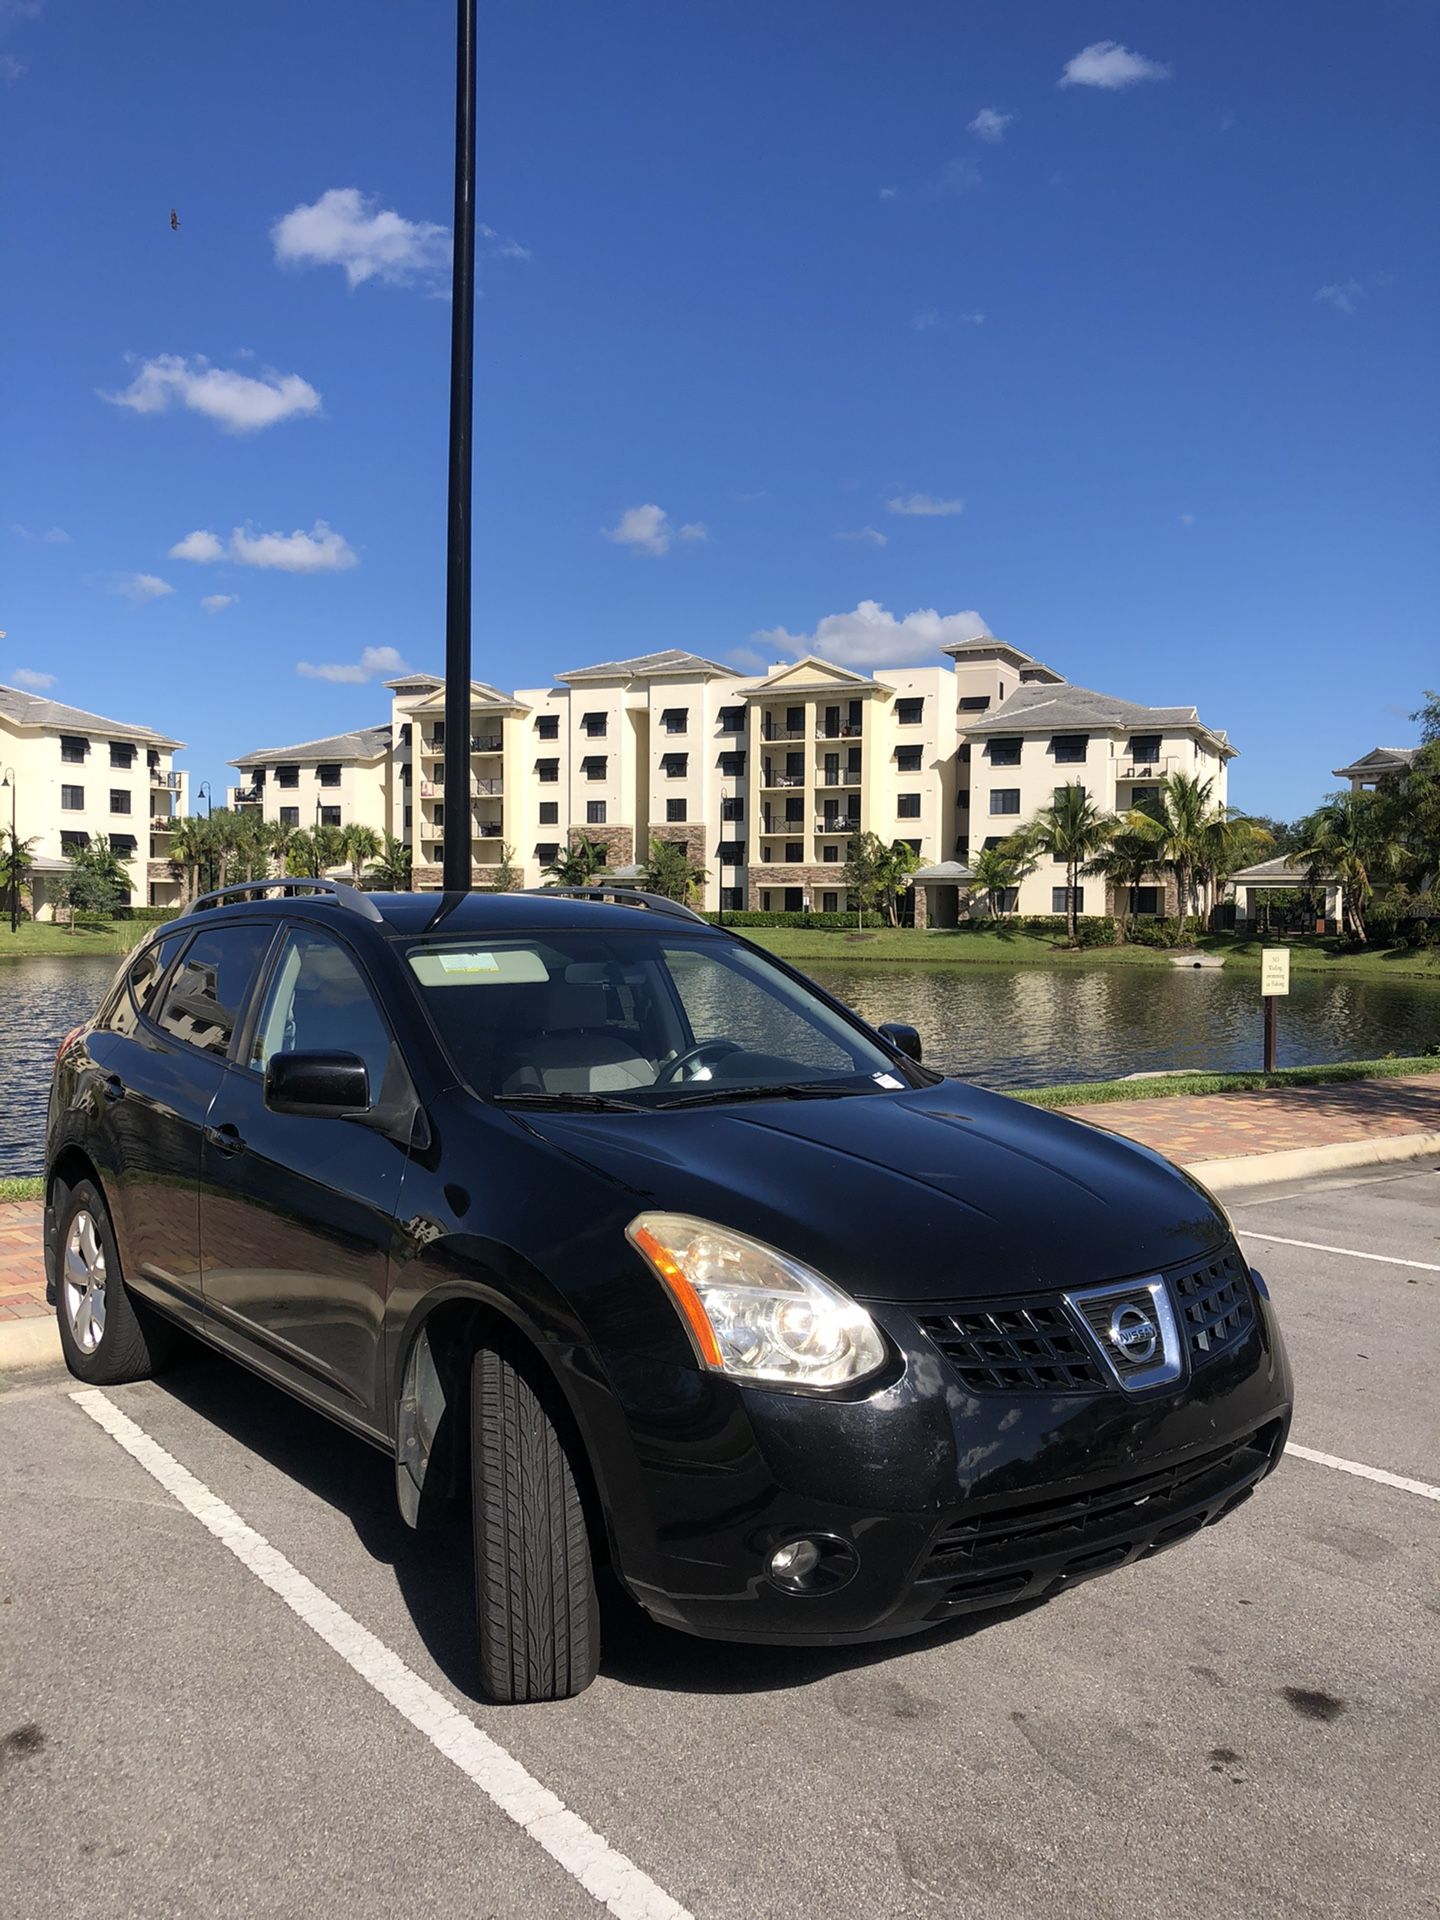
(1214, 1305)
(1024, 1347)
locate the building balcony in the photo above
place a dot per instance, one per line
(777, 730)
(486, 743)
(771, 777)
(844, 731)
(172, 782)
(847, 777)
(491, 787)
(487, 829)
(832, 825)
(1147, 769)
(771, 823)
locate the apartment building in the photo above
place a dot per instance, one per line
(1370, 768)
(75, 779)
(763, 778)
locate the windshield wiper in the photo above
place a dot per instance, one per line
(576, 1102)
(775, 1090)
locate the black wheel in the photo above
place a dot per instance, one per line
(106, 1336)
(539, 1621)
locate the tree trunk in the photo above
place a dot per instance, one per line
(1072, 877)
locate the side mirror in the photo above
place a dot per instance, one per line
(326, 1086)
(904, 1039)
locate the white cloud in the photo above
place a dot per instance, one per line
(217, 602)
(348, 229)
(956, 176)
(871, 536)
(51, 537)
(644, 529)
(990, 124)
(693, 530)
(199, 545)
(320, 551)
(1345, 296)
(141, 587)
(1106, 64)
(924, 318)
(31, 679)
(889, 193)
(873, 637)
(238, 402)
(11, 69)
(924, 506)
(373, 661)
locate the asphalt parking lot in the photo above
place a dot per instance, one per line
(193, 1722)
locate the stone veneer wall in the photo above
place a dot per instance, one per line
(618, 842)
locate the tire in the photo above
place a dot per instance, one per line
(538, 1618)
(106, 1336)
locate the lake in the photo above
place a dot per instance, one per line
(1000, 1027)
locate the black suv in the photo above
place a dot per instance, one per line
(607, 1216)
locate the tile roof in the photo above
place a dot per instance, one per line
(651, 666)
(365, 743)
(33, 710)
(1379, 760)
(1068, 707)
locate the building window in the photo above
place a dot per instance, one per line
(909, 713)
(287, 776)
(975, 703)
(1007, 899)
(439, 773)
(1059, 899)
(547, 772)
(1145, 797)
(907, 806)
(1145, 748)
(732, 899)
(437, 824)
(547, 851)
(289, 816)
(674, 765)
(765, 900)
(594, 813)
(593, 766)
(732, 853)
(409, 818)
(675, 719)
(674, 811)
(122, 754)
(1070, 749)
(1005, 753)
(794, 850)
(794, 810)
(829, 903)
(732, 807)
(120, 800)
(908, 759)
(402, 738)
(437, 734)
(122, 845)
(732, 765)
(732, 719)
(1145, 900)
(547, 726)
(962, 799)
(995, 840)
(830, 853)
(549, 813)
(794, 719)
(914, 845)
(1005, 800)
(73, 842)
(593, 725)
(328, 775)
(73, 749)
(1059, 791)
(794, 898)
(329, 816)
(72, 799)
(405, 771)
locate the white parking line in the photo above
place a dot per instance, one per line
(1353, 1253)
(1422, 1487)
(585, 1855)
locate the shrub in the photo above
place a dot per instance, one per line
(1150, 933)
(745, 918)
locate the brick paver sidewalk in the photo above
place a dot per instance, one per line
(1215, 1126)
(1225, 1126)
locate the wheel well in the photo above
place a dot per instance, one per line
(72, 1165)
(456, 1330)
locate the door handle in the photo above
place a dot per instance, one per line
(113, 1087)
(224, 1139)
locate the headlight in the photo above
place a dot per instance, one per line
(754, 1313)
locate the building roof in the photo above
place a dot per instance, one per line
(403, 680)
(946, 872)
(1069, 709)
(31, 710)
(483, 699)
(1379, 760)
(364, 743)
(1278, 872)
(670, 663)
(811, 673)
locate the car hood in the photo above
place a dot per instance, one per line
(945, 1192)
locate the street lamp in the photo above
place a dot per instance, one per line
(9, 780)
(202, 792)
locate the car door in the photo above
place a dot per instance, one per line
(297, 1211)
(160, 1059)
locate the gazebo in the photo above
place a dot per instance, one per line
(938, 891)
(1268, 876)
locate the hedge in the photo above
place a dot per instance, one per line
(744, 918)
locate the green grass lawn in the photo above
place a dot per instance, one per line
(90, 936)
(1091, 1093)
(24, 1188)
(1001, 946)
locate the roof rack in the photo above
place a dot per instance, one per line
(623, 897)
(342, 895)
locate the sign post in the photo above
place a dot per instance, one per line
(1274, 980)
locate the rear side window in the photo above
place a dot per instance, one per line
(142, 978)
(208, 990)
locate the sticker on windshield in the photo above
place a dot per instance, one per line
(886, 1080)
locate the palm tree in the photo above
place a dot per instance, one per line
(251, 839)
(671, 872)
(1127, 860)
(360, 843)
(1348, 840)
(17, 864)
(996, 870)
(390, 871)
(328, 846)
(1229, 841)
(578, 864)
(226, 834)
(280, 837)
(1070, 831)
(189, 851)
(1182, 811)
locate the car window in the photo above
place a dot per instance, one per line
(141, 980)
(209, 987)
(723, 1000)
(318, 1002)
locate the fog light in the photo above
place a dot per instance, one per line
(793, 1563)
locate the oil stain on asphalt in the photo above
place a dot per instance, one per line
(1312, 1704)
(21, 1743)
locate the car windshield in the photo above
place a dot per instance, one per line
(607, 1020)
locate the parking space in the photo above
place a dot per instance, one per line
(1247, 1723)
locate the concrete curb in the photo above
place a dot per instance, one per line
(1298, 1163)
(25, 1344)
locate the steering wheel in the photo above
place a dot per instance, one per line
(702, 1055)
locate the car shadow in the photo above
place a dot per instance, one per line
(434, 1570)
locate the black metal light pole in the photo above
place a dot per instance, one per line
(456, 871)
(9, 780)
(202, 792)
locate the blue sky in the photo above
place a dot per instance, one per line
(1112, 323)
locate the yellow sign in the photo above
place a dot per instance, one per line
(1274, 970)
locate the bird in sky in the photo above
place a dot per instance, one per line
(174, 221)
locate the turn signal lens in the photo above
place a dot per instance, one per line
(65, 1045)
(753, 1312)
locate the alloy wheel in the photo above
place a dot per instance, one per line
(83, 1287)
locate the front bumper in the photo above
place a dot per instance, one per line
(941, 1501)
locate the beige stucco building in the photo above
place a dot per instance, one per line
(76, 778)
(335, 782)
